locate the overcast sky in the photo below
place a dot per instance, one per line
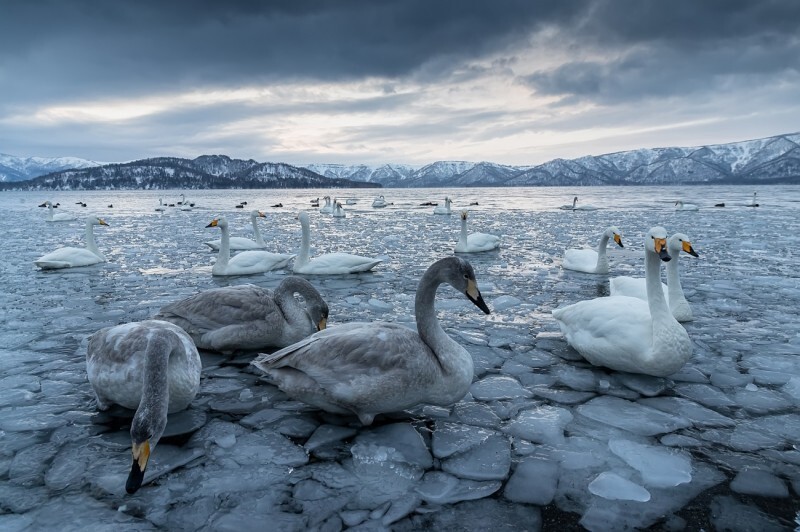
(402, 81)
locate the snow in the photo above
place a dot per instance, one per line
(541, 430)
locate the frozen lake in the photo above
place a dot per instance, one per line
(543, 440)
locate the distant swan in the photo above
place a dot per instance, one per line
(161, 206)
(443, 209)
(570, 207)
(576, 207)
(374, 367)
(351, 201)
(185, 205)
(330, 263)
(328, 207)
(56, 216)
(753, 203)
(589, 260)
(249, 317)
(338, 210)
(379, 202)
(637, 286)
(238, 243)
(152, 367)
(475, 242)
(71, 257)
(246, 262)
(626, 333)
(681, 206)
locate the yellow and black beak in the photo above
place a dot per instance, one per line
(141, 454)
(618, 240)
(474, 295)
(661, 249)
(261, 214)
(213, 223)
(687, 247)
(322, 324)
(102, 222)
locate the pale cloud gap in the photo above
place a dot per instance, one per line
(516, 83)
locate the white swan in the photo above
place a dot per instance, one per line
(238, 243)
(681, 206)
(161, 206)
(185, 205)
(637, 286)
(589, 260)
(150, 366)
(380, 201)
(248, 317)
(753, 203)
(576, 207)
(330, 263)
(328, 207)
(626, 333)
(375, 367)
(443, 209)
(56, 216)
(338, 210)
(475, 242)
(71, 257)
(570, 207)
(351, 201)
(246, 262)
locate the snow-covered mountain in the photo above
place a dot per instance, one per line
(21, 168)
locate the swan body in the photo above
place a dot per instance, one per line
(628, 334)
(590, 260)
(576, 207)
(56, 216)
(753, 203)
(328, 207)
(570, 207)
(239, 243)
(152, 367)
(443, 209)
(475, 242)
(338, 211)
(246, 262)
(72, 257)
(248, 317)
(379, 202)
(673, 292)
(161, 206)
(681, 206)
(376, 367)
(330, 263)
(185, 206)
(351, 201)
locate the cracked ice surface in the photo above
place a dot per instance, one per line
(541, 431)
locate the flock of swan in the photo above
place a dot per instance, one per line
(361, 369)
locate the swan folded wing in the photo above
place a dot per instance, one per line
(633, 287)
(343, 263)
(68, 257)
(580, 259)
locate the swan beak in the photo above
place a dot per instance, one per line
(213, 223)
(141, 454)
(474, 295)
(322, 324)
(261, 214)
(687, 247)
(101, 221)
(618, 240)
(661, 249)
(43, 204)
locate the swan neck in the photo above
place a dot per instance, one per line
(224, 247)
(463, 237)
(91, 245)
(655, 294)
(257, 232)
(673, 279)
(294, 314)
(602, 259)
(305, 245)
(428, 325)
(154, 405)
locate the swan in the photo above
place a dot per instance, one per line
(150, 366)
(576, 207)
(249, 317)
(56, 216)
(330, 263)
(338, 210)
(70, 257)
(570, 207)
(375, 367)
(628, 334)
(328, 207)
(753, 203)
(185, 206)
(673, 292)
(238, 243)
(246, 262)
(589, 260)
(351, 201)
(681, 206)
(443, 209)
(161, 205)
(472, 243)
(380, 201)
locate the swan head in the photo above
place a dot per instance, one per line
(613, 232)
(257, 214)
(463, 215)
(146, 430)
(303, 217)
(459, 274)
(680, 242)
(656, 242)
(94, 220)
(218, 222)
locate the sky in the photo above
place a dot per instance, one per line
(397, 81)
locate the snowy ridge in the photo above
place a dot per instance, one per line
(20, 168)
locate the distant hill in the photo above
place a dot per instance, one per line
(21, 168)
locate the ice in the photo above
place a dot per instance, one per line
(440, 488)
(759, 482)
(705, 395)
(328, 434)
(792, 389)
(498, 387)
(631, 416)
(730, 514)
(489, 460)
(698, 415)
(544, 424)
(403, 438)
(451, 438)
(612, 486)
(534, 481)
(659, 468)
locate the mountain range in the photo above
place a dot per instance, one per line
(761, 161)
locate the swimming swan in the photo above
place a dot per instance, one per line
(589, 260)
(375, 367)
(238, 243)
(379, 202)
(753, 203)
(328, 207)
(150, 366)
(330, 263)
(71, 257)
(249, 317)
(570, 207)
(338, 210)
(160, 207)
(637, 286)
(681, 206)
(628, 334)
(246, 262)
(56, 216)
(443, 209)
(475, 242)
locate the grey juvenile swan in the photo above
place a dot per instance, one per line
(375, 367)
(150, 366)
(248, 317)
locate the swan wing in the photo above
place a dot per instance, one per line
(632, 287)
(255, 261)
(68, 257)
(336, 263)
(482, 241)
(582, 260)
(237, 243)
